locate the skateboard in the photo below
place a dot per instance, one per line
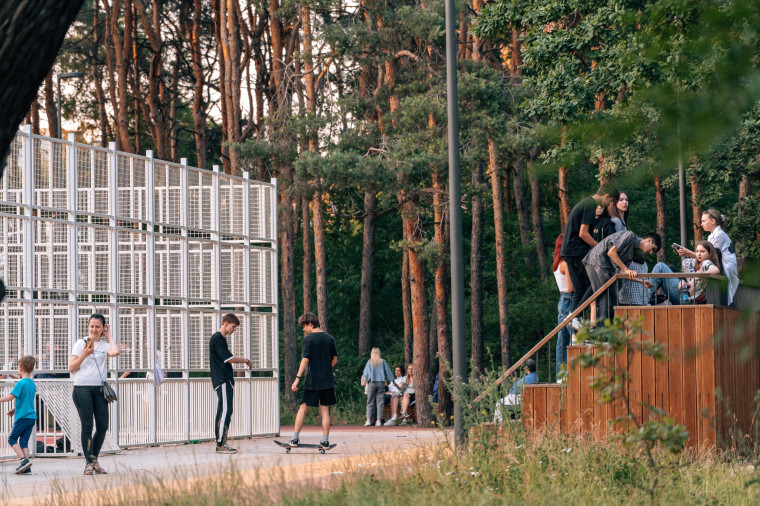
(304, 445)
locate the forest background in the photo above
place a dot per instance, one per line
(344, 102)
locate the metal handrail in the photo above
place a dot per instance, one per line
(580, 310)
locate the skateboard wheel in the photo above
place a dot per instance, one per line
(321, 451)
(287, 450)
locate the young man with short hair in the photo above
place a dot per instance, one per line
(578, 240)
(318, 358)
(223, 380)
(24, 393)
(616, 252)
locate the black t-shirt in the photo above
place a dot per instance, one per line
(218, 352)
(319, 348)
(584, 213)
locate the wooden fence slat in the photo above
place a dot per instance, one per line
(688, 324)
(661, 379)
(707, 373)
(634, 370)
(539, 407)
(574, 382)
(647, 364)
(675, 365)
(528, 408)
(553, 407)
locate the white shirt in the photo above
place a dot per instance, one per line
(561, 280)
(93, 370)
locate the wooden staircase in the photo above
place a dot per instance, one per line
(708, 384)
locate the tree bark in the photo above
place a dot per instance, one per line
(521, 204)
(199, 81)
(120, 29)
(441, 311)
(406, 305)
(307, 254)
(287, 282)
(659, 194)
(696, 213)
(368, 269)
(320, 258)
(476, 271)
(535, 213)
(51, 107)
(501, 258)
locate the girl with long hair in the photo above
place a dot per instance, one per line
(565, 304)
(376, 374)
(706, 260)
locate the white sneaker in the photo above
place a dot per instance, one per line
(576, 323)
(378, 424)
(367, 423)
(391, 422)
(394, 417)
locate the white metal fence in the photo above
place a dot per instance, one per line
(162, 250)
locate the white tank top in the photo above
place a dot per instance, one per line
(561, 281)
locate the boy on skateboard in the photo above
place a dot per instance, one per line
(319, 356)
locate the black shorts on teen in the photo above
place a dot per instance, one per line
(316, 398)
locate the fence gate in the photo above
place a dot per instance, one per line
(163, 250)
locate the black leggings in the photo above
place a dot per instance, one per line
(224, 404)
(90, 403)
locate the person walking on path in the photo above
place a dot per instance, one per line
(319, 356)
(578, 241)
(223, 379)
(88, 369)
(377, 374)
(25, 416)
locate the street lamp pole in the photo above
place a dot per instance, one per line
(67, 75)
(455, 216)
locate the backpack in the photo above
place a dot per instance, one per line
(603, 227)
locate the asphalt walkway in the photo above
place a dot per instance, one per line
(259, 462)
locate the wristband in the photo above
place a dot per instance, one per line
(298, 377)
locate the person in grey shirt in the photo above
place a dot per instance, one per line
(377, 374)
(618, 250)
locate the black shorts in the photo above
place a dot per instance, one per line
(316, 398)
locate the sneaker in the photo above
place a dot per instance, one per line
(23, 465)
(391, 422)
(28, 471)
(378, 423)
(225, 448)
(294, 442)
(324, 444)
(367, 423)
(405, 415)
(404, 422)
(576, 323)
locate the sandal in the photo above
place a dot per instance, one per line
(89, 470)
(96, 467)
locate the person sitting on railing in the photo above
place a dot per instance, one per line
(712, 221)
(616, 250)
(706, 260)
(513, 399)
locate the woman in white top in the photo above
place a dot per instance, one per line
(712, 221)
(408, 398)
(565, 305)
(89, 370)
(395, 389)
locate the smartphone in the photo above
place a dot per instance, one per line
(677, 246)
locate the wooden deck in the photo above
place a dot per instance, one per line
(708, 384)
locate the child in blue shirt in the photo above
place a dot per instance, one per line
(24, 392)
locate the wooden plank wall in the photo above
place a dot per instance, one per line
(708, 383)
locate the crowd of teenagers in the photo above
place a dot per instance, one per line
(597, 244)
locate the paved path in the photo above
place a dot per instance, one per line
(259, 462)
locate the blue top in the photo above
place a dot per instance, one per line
(530, 379)
(379, 372)
(24, 392)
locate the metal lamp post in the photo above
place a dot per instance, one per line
(67, 75)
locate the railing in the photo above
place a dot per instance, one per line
(713, 292)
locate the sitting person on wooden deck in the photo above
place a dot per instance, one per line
(612, 253)
(512, 401)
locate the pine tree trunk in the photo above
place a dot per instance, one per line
(501, 259)
(538, 229)
(441, 310)
(307, 255)
(199, 103)
(51, 107)
(476, 271)
(521, 204)
(287, 281)
(659, 193)
(368, 269)
(406, 305)
(320, 258)
(696, 213)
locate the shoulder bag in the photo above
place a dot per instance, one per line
(109, 394)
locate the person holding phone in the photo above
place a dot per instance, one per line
(89, 370)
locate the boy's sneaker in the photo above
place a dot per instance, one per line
(294, 442)
(324, 444)
(28, 471)
(404, 415)
(225, 448)
(23, 465)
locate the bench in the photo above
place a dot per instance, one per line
(412, 411)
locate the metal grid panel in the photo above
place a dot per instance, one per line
(202, 326)
(132, 187)
(6, 424)
(167, 193)
(93, 180)
(12, 251)
(134, 412)
(51, 339)
(202, 270)
(263, 332)
(233, 273)
(168, 266)
(94, 258)
(170, 337)
(12, 182)
(202, 408)
(170, 411)
(232, 195)
(134, 339)
(133, 262)
(12, 329)
(263, 288)
(239, 341)
(201, 200)
(241, 409)
(51, 255)
(260, 211)
(264, 393)
(50, 173)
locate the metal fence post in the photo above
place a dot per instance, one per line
(73, 239)
(150, 180)
(276, 308)
(186, 283)
(247, 267)
(114, 268)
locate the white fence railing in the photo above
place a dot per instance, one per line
(163, 250)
